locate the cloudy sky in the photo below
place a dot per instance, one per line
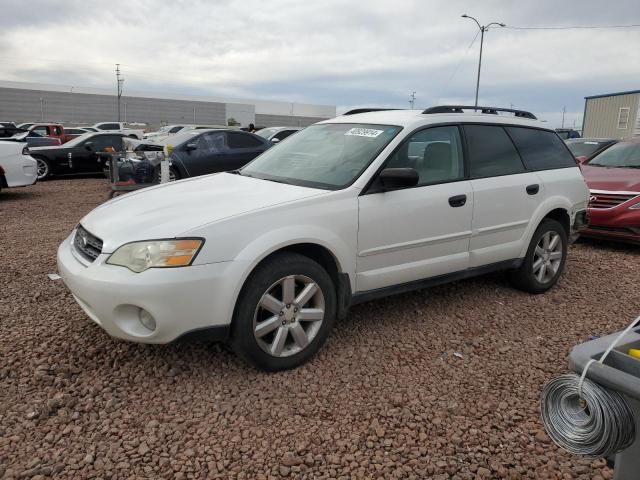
(338, 52)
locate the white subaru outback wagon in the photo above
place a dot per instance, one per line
(364, 205)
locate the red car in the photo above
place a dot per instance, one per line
(584, 149)
(613, 177)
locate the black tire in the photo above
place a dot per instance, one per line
(43, 166)
(524, 277)
(262, 281)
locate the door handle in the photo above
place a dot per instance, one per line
(457, 200)
(533, 189)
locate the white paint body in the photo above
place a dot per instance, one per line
(378, 240)
(19, 170)
(124, 129)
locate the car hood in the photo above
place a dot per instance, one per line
(615, 179)
(175, 209)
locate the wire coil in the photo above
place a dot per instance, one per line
(585, 418)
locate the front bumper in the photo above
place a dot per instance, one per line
(186, 301)
(620, 223)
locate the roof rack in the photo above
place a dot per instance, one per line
(487, 110)
(367, 110)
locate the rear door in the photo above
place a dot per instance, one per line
(505, 195)
(243, 147)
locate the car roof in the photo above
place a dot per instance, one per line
(416, 118)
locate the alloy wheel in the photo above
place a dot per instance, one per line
(289, 316)
(42, 168)
(547, 257)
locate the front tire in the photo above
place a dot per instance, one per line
(43, 168)
(545, 259)
(284, 313)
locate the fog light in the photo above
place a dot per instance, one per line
(146, 319)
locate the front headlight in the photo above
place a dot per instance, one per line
(139, 256)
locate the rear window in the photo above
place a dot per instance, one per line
(491, 152)
(585, 148)
(242, 140)
(541, 149)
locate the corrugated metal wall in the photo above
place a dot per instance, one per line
(265, 120)
(33, 105)
(602, 113)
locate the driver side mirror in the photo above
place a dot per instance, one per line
(275, 140)
(394, 178)
(190, 146)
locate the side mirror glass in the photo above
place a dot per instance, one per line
(394, 178)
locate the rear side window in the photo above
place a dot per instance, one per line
(109, 126)
(242, 140)
(540, 149)
(491, 152)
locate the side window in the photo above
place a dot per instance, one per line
(242, 140)
(109, 126)
(436, 153)
(57, 131)
(102, 142)
(212, 142)
(41, 131)
(540, 149)
(491, 152)
(283, 134)
(175, 129)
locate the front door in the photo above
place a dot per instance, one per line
(419, 232)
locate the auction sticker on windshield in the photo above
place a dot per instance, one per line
(364, 132)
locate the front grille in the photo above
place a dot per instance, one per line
(87, 244)
(609, 200)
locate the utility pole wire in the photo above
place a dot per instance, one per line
(634, 25)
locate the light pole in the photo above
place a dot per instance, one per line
(41, 109)
(483, 28)
(412, 100)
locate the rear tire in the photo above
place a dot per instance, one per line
(545, 259)
(43, 168)
(284, 313)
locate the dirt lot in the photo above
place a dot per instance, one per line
(386, 398)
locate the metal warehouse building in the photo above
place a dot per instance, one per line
(29, 102)
(612, 115)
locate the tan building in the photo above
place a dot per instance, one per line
(612, 115)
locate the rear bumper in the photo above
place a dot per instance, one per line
(580, 221)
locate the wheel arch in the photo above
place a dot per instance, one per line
(556, 208)
(317, 252)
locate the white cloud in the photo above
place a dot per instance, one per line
(335, 52)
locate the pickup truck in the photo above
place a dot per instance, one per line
(53, 130)
(119, 127)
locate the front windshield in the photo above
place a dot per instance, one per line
(620, 155)
(78, 140)
(267, 132)
(328, 156)
(584, 148)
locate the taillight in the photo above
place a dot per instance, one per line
(25, 150)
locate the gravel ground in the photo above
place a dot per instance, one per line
(386, 398)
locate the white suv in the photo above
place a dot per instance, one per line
(350, 209)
